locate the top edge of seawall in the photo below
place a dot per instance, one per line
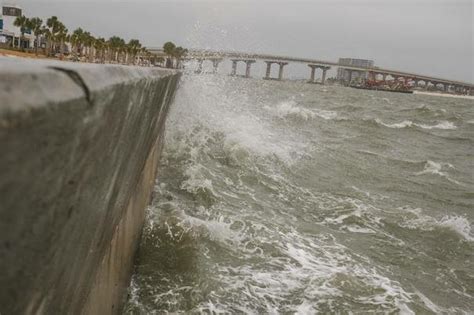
(27, 83)
(99, 75)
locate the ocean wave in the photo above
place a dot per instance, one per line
(290, 109)
(435, 168)
(403, 124)
(319, 269)
(458, 224)
(443, 125)
(204, 104)
(444, 95)
(424, 108)
(455, 223)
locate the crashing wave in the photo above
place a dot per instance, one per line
(290, 109)
(434, 168)
(457, 224)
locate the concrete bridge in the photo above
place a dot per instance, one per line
(375, 73)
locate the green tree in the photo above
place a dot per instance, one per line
(100, 46)
(56, 28)
(115, 44)
(36, 27)
(47, 34)
(77, 40)
(63, 37)
(179, 53)
(89, 40)
(169, 48)
(23, 23)
(134, 47)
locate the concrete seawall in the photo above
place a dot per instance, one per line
(79, 151)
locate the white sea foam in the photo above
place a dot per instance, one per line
(444, 95)
(403, 124)
(419, 220)
(316, 269)
(231, 114)
(290, 109)
(458, 224)
(435, 168)
(443, 125)
(431, 167)
(326, 114)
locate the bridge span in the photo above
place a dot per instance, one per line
(375, 73)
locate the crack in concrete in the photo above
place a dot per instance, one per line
(76, 78)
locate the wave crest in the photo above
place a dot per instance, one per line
(455, 223)
(290, 109)
(442, 125)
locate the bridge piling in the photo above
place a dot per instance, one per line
(269, 70)
(199, 68)
(323, 78)
(248, 67)
(280, 72)
(234, 67)
(215, 65)
(350, 76)
(313, 71)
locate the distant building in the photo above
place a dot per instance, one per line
(343, 74)
(9, 33)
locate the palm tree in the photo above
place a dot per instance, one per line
(49, 37)
(142, 53)
(99, 46)
(134, 46)
(149, 57)
(36, 26)
(55, 26)
(63, 37)
(89, 43)
(169, 48)
(115, 44)
(122, 48)
(23, 23)
(159, 60)
(77, 39)
(179, 53)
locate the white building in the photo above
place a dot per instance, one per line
(343, 74)
(9, 33)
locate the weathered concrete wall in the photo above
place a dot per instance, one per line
(79, 147)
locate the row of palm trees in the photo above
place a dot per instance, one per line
(174, 53)
(86, 47)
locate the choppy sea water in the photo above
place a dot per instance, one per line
(284, 197)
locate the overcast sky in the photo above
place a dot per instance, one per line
(433, 37)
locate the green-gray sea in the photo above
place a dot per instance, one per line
(292, 198)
